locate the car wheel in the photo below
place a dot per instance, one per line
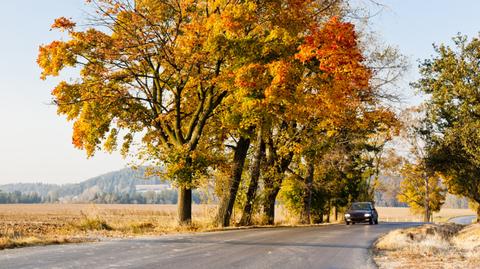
(347, 222)
(353, 222)
(376, 221)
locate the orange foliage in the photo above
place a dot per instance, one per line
(165, 68)
(63, 23)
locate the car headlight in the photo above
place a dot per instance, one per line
(368, 215)
(347, 215)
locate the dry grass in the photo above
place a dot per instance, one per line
(24, 225)
(430, 246)
(468, 238)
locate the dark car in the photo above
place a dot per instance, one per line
(361, 212)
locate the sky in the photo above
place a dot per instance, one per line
(415, 25)
(35, 143)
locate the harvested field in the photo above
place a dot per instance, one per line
(403, 214)
(22, 225)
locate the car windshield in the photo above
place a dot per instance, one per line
(361, 206)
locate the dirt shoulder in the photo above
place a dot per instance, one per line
(430, 246)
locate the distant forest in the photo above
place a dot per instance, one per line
(119, 187)
(150, 197)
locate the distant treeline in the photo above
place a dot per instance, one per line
(20, 198)
(149, 197)
(119, 187)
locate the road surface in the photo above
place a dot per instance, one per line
(328, 246)
(463, 220)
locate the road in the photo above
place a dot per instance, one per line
(327, 246)
(463, 220)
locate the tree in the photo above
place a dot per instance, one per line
(421, 191)
(387, 191)
(334, 97)
(416, 131)
(259, 156)
(451, 80)
(152, 70)
(266, 89)
(194, 83)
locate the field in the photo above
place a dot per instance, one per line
(60, 223)
(394, 214)
(22, 225)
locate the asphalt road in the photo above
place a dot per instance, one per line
(463, 220)
(328, 246)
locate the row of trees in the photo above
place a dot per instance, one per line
(250, 98)
(149, 197)
(19, 198)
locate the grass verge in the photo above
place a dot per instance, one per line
(430, 246)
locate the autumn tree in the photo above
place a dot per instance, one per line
(336, 92)
(339, 99)
(421, 191)
(152, 70)
(415, 133)
(265, 88)
(451, 80)
(339, 175)
(390, 167)
(193, 83)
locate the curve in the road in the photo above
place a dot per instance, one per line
(463, 220)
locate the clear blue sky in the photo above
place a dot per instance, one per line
(35, 143)
(414, 25)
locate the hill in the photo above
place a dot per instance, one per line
(123, 180)
(120, 186)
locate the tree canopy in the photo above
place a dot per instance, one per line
(195, 84)
(451, 81)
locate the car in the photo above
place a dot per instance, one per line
(361, 212)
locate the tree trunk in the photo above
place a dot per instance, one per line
(336, 212)
(307, 198)
(427, 200)
(329, 211)
(228, 201)
(269, 205)
(254, 176)
(478, 212)
(272, 187)
(272, 184)
(184, 206)
(184, 200)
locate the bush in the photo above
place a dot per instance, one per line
(93, 224)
